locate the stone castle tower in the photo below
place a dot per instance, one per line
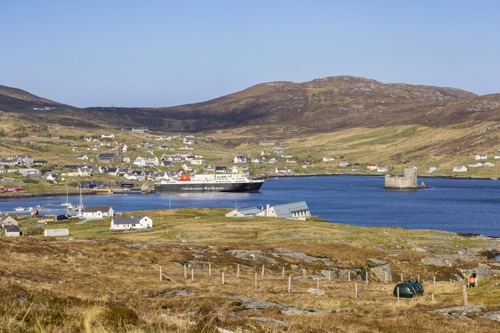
(407, 181)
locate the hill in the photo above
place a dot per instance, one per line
(318, 106)
(361, 119)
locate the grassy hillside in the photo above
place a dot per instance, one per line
(102, 281)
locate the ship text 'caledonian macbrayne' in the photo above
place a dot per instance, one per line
(184, 182)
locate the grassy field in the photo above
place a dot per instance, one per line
(104, 281)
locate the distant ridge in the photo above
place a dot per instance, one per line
(321, 105)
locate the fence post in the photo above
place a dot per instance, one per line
(397, 293)
(210, 269)
(222, 277)
(238, 271)
(348, 275)
(317, 284)
(185, 272)
(366, 277)
(434, 279)
(304, 273)
(263, 271)
(402, 278)
(283, 272)
(289, 283)
(192, 274)
(356, 290)
(161, 277)
(465, 293)
(329, 275)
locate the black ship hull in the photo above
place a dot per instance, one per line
(187, 187)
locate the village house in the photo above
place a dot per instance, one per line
(371, 166)
(107, 157)
(265, 152)
(6, 220)
(98, 212)
(281, 171)
(40, 163)
(147, 161)
(83, 157)
(343, 164)
(432, 169)
(475, 164)
(240, 159)
(221, 169)
(108, 136)
(17, 160)
(128, 223)
(295, 210)
(12, 231)
(62, 232)
(29, 172)
(328, 159)
(189, 140)
(460, 168)
(381, 169)
(244, 212)
(481, 157)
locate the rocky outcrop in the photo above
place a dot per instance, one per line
(382, 269)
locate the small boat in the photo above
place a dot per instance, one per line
(20, 209)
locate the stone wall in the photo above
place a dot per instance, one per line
(408, 180)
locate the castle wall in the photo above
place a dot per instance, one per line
(408, 180)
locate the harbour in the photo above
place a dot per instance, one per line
(455, 205)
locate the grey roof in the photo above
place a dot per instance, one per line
(127, 220)
(106, 155)
(95, 209)
(286, 210)
(248, 210)
(12, 228)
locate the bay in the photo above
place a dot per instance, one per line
(457, 205)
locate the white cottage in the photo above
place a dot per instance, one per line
(98, 212)
(127, 223)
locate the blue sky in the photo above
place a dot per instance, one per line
(165, 53)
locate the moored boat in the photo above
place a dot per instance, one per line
(184, 182)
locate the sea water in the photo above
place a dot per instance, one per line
(457, 205)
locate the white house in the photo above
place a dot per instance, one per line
(56, 232)
(244, 212)
(295, 210)
(83, 157)
(12, 231)
(6, 220)
(488, 164)
(328, 159)
(381, 169)
(481, 157)
(98, 212)
(432, 169)
(343, 164)
(460, 168)
(127, 223)
(240, 159)
(475, 164)
(147, 161)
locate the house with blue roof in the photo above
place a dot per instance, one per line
(295, 210)
(244, 212)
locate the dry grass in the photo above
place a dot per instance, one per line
(113, 285)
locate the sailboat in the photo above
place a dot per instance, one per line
(67, 204)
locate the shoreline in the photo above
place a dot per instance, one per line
(22, 195)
